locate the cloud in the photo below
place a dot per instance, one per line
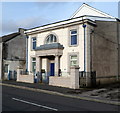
(43, 13)
(48, 8)
(10, 26)
(49, 4)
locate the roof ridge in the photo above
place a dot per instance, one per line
(8, 37)
(95, 9)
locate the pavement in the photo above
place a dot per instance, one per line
(105, 94)
(21, 100)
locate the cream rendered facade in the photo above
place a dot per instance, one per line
(92, 48)
(63, 37)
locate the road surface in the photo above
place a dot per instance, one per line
(14, 99)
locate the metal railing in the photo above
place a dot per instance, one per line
(24, 72)
(83, 76)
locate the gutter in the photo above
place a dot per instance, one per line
(59, 25)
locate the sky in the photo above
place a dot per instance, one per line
(32, 14)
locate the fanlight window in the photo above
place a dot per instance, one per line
(51, 39)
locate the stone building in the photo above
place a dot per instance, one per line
(12, 54)
(90, 40)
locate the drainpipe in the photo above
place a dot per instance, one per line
(84, 26)
(91, 47)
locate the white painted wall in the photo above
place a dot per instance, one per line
(88, 10)
(31, 53)
(63, 39)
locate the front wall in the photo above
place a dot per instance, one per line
(103, 54)
(60, 81)
(63, 38)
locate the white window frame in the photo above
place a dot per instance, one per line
(32, 41)
(69, 60)
(76, 34)
(72, 60)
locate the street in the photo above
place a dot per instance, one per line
(14, 99)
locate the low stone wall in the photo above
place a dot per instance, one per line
(71, 81)
(25, 78)
(106, 80)
(60, 81)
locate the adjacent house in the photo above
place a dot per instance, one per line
(13, 54)
(89, 42)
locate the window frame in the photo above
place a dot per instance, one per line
(33, 61)
(72, 28)
(68, 61)
(71, 60)
(54, 40)
(7, 68)
(33, 41)
(76, 34)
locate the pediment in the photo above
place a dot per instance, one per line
(88, 10)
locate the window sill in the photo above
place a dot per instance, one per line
(73, 45)
(32, 49)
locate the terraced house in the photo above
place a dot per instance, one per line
(12, 54)
(83, 50)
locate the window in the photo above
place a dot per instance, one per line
(34, 65)
(73, 60)
(34, 43)
(73, 37)
(51, 39)
(6, 68)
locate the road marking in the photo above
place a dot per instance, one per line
(61, 94)
(34, 104)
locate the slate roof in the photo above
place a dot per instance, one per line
(6, 38)
(50, 46)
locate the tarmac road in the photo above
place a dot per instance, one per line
(15, 99)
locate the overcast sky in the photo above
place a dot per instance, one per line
(32, 14)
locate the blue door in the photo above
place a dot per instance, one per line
(52, 67)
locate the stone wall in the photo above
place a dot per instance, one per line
(24, 78)
(60, 81)
(71, 82)
(15, 48)
(105, 52)
(14, 54)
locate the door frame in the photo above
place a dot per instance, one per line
(52, 69)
